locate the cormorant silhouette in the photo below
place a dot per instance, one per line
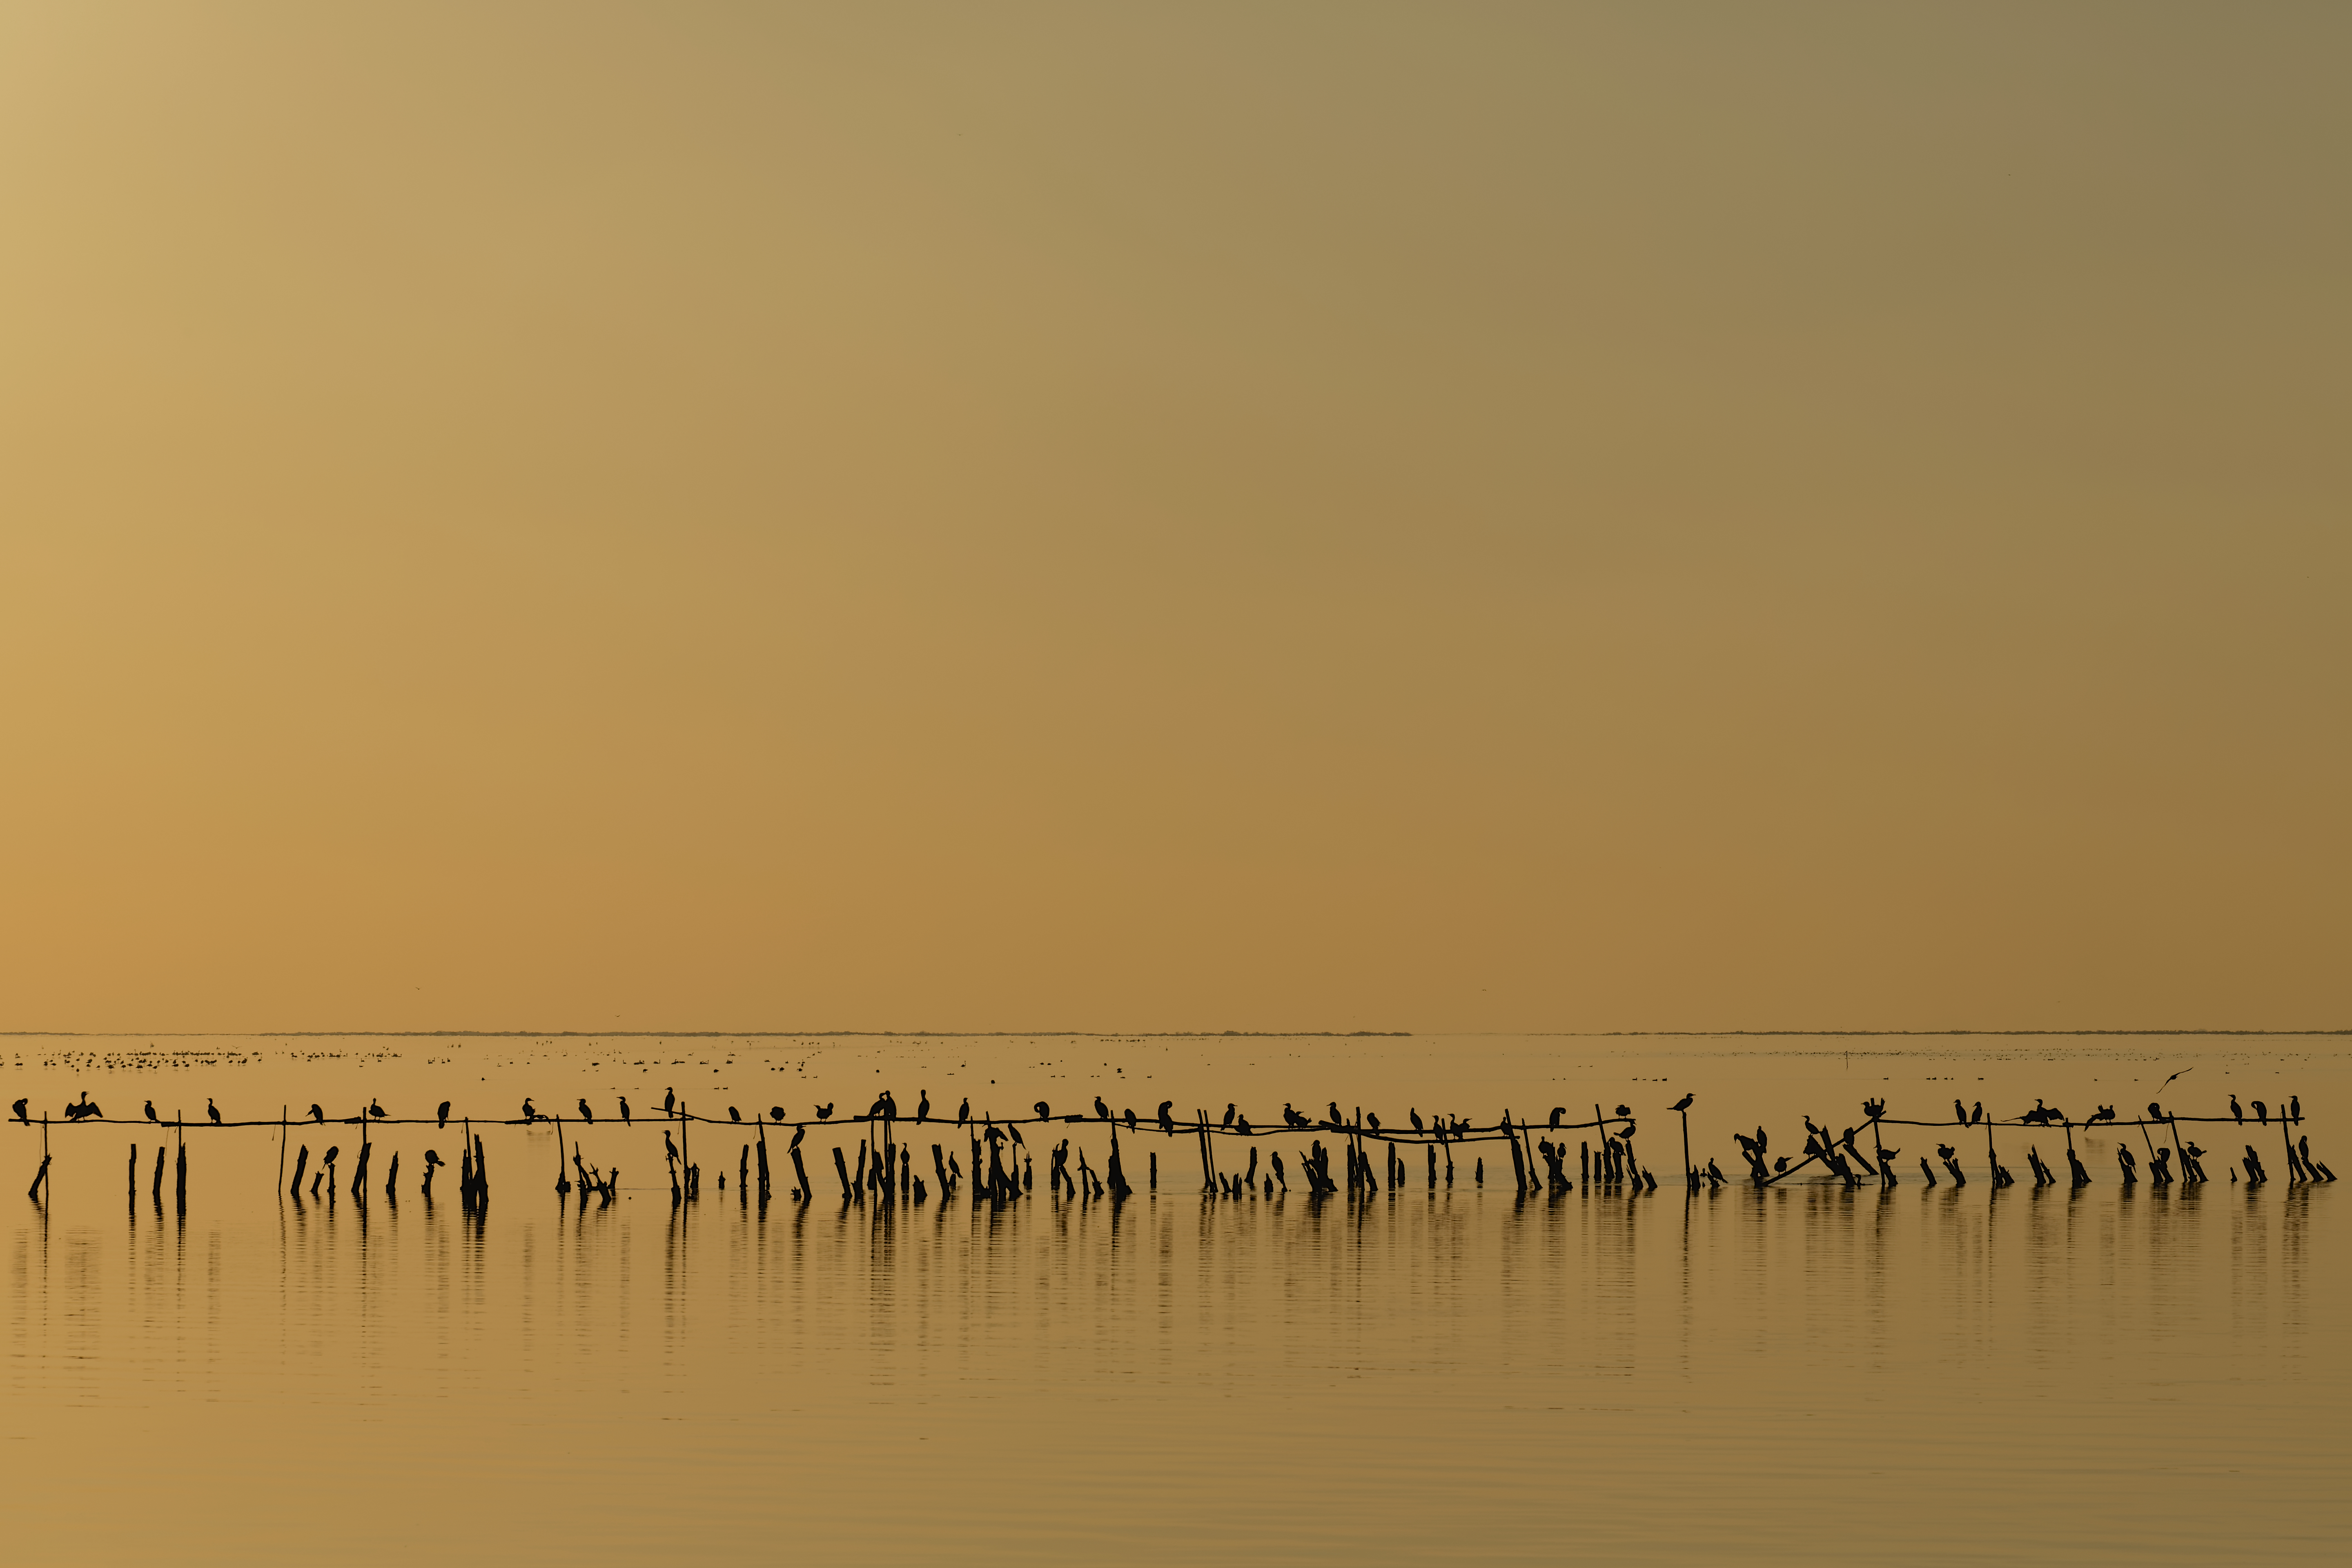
(2105, 1113)
(1557, 1113)
(1167, 1123)
(1626, 1132)
(585, 1114)
(670, 1148)
(1101, 1111)
(317, 1114)
(733, 1115)
(1241, 1125)
(1960, 1113)
(1044, 1111)
(1414, 1117)
(1131, 1119)
(922, 1106)
(2261, 1112)
(669, 1101)
(625, 1111)
(332, 1149)
(2237, 1113)
(1337, 1120)
(1228, 1121)
(775, 1113)
(798, 1133)
(2294, 1108)
(1625, 1111)
(442, 1118)
(824, 1113)
(212, 1111)
(18, 1108)
(151, 1111)
(1371, 1120)
(2155, 1111)
(1009, 1127)
(1976, 1114)
(528, 1113)
(963, 1113)
(1683, 1103)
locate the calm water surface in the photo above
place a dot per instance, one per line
(1937, 1375)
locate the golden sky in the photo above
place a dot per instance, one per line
(1212, 516)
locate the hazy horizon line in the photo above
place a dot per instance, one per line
(1112, 1034)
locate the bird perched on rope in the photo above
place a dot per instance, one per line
(316, 1114)
(1242, 1126)
(1102, 1112)
(1131, 1119)
(2261, 1112)
(1625, 1111)
(212, 1111)
(2155, 1111)
(18, 1111)
(2237, 1111)
(625, 1111)
(1044, 1111)
(376, 1110)
(733, 1115)
(151, 1111)
(922, 1106)
(528, 1114)
(2105, 1113)
(775, 1113)
(1371, 1121)
(1167, 1123)
(2294, 1108)
(824, 1112)
(1976, 1114)
(1414, 1117)
(1960, 1113)
(963, 1113)
(442, 1119)
(1557, 1113)
(585, 1114)
(1228, 1121)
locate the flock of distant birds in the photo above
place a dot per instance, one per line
(1841, 1155)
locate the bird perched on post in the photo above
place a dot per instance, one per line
(151, 1111)
(1683, 1104)
(585, 1114)
(668, 1147)
(441, 1118)
(316, 1114)
(1944, 1150)
(798, 1133)
(212, 1111)
(528, 1113)
(376, 1110)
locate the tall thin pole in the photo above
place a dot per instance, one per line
(1690, 1173)
(281, 1147)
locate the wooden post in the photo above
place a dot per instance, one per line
(1690, 1176)
(134, 1173)
(281, 1145)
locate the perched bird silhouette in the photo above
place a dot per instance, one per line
(585, 1114)
(733, 1115)
(1414, 1117)
(963, 1113)
(1626, 1132)
(824, 1112)
(2294, 1108)
(1780, 1164)
(669, 1101)
(151, 1111)
(1822, 1132)
(1167, 1123)
(1228, 1121)
(1683, 1103)
(528, 1113)
(2155, 1111)
(2237, 1113)
(775, 1113)
(332, 1149)
(2105, 1113)
(1746, 1143)
(922, 1106)
(1976, 1114)
(625, 1111)
(1625, 1111)
(1371, 1121)
(668, 1147)
(431, 1159)
(798, 1133)
(317, 1114)
(1101, 1111)
(214, 1110)
(1557, 1113)
(1009, 1127)
(1044, 1111)
(1337, 1120)
(2261, 1112)
(376, 1110)
(1960, 1113)
(442, 1119)
(1944, 1150)
(1131, 1119)
(18, 1108)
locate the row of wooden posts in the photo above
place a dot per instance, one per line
(884, 1163)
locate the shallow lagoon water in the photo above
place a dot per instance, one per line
(1945, 1374)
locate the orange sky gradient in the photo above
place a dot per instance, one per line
(1317, 517)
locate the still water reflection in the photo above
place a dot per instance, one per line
(1919, 1375)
